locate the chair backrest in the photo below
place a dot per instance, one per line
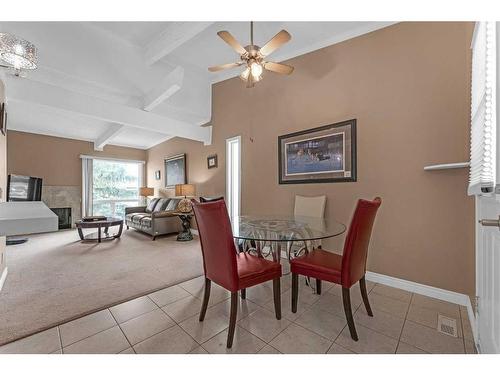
(310, 206)
(210, 199)
(217, 244)
(357, 241)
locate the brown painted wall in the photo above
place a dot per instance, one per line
(408, 86)
(57, 160)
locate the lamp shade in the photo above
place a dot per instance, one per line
(185, 189)
(146, 191)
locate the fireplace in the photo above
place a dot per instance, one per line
(64, 215)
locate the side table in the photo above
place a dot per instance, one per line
(186, 234)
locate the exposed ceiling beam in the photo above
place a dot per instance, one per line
(40, 94)
(112, 131)
(175, 35)
(170, 85)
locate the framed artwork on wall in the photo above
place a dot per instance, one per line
(323, 154)
(175, 170)
(3, 119)
(212, 161)
(157, 175)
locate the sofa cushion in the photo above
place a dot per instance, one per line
(151, 205)
(172, 204)
(138, 217)
(162, 203)
(146, 222)
(128, 217)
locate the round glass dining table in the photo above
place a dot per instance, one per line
(271, 235)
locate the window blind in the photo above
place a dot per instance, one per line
(483, 147)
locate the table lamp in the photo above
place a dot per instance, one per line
(146, 192)
(186, 190)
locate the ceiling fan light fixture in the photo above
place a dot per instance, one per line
(244, 74)
(17, 52)
(256, 70)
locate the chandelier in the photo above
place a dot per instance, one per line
(17, 53)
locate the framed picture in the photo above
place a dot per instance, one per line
(212, 161)
(324, 154)
(157, 175)
(3, 119)
(175, 170)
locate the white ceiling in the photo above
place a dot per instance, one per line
(95, 80)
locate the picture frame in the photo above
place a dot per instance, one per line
(175, 170)
(3, 119)
(212, 161)
(157, 175)
(324, 154)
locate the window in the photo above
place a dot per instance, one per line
(233, 175)
(110, 186)
(483, 169)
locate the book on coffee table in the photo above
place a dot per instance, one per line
(94, 218)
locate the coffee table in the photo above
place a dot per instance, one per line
(97, 236)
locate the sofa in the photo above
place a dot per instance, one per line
(157, 218)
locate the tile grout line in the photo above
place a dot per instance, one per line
(123, 333)
(60, 339)
(462, 325)
(404, 323)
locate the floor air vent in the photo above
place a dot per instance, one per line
(448, 326)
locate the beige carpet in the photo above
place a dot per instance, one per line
(54, 277)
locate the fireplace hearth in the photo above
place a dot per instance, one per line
(64, 215)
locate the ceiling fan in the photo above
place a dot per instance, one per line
(254, 56)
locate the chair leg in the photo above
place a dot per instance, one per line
(348, 313)
(295, 291)
(277, 297)
(243, 294)
(206, 297)
(318, 286)
(232, 319)
(362, 286)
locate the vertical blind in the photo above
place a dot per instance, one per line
(483, 151)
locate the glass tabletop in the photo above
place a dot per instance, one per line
(287, 228)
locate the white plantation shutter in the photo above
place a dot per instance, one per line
(483, 152)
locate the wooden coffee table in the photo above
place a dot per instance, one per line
(97, 236)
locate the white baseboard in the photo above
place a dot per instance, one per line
(429, 291)
(3, 277)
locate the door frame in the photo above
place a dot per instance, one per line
(229, 165)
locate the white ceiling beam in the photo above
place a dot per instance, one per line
(40, 94)
(175, 35)
(170, 85)
(107, 136)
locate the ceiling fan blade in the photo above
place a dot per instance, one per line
(278, 68)
(217, 68)
(229, 39)
(276, 41)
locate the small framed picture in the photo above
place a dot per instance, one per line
(157, 175)
(212, 161)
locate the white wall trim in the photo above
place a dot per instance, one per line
(112, 159)
(429, 291)
(4, 277)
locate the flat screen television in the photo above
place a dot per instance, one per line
(23, 188)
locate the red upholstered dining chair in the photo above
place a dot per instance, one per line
(225, 266)
(346, 269)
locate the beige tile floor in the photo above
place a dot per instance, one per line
(167, 322)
